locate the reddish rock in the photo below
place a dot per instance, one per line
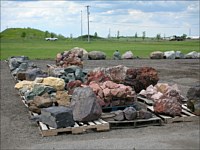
(72, 85)
(98, 76)
(141, 78)
(168, 106)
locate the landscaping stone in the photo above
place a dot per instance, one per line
(96, 55)
(84, 105)
(193, 102)
(156, 55)
(119, 115)
(127, 55)
(56, 117)
(130, 113)
(57, 83)
(144, 114)
(62, 98)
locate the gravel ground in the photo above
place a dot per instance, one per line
(18, 132)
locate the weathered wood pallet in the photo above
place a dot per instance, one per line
(137, 123)
(78, 128)
(186, 114)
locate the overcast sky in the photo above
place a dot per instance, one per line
(128, 17)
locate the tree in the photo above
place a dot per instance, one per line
(95, 34)
(143, 35)
(158, 37)
(46, 34)
(23, 35)
(184, 36)
(52, 35)
(118, 34)
(136, 35)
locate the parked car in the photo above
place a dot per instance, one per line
(51, 39)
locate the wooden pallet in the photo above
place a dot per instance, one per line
(136, 123)
(186, 114)
(78, 128)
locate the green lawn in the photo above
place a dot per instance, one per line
(41, 49)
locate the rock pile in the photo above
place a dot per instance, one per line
(167, 99)
(23, 69)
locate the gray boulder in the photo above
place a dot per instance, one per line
(119, 115)
(84, 105)
(169, 55)
(192, 55)
(96, 55)
(130, 113)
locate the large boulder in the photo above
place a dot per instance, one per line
(57, 83)
(168, 106)
(96, 55)
(56, 117)
(141, 78)
(193, 102)
(169, 55)
(82, 53)
(179, 55)
(192, 55)
(130, 113)
(157, 55)
(84, 105)
(127, 55)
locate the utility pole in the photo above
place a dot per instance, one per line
(88, 13)
(81, 26)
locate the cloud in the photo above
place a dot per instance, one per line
(64, 17)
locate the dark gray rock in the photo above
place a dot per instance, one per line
(56, 117)
(84, 105)
(130, 113)
(32, 73)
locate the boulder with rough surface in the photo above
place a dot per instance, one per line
(193, 102)
(96, 55)
(62, 98)
(127, 55)
(84, 105)
(57, 83)
(156, 55)
(56, 117)
(168, 106)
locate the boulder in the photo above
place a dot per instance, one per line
(169, 55)
(127, 55)
(84, 105)
(168, 106)
(179, 55)
(157, 55)
(72, 85)
(81, 52)
(56, 117)
(144, 114)
(192, 55)
(32, 73)
(40, 102)
(57, 83)
(62, 98)
(96, 55)
(130, 113)
(24, 83)
(193, 102)
(119, 115)
(97, 76)
(141, 78)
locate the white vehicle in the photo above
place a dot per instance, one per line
(51, 39)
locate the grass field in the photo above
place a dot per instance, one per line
(41, 49)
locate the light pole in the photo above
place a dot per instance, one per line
(88, 13)
(81, 26)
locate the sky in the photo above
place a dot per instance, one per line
(69, 17)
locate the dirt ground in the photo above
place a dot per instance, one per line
(18, 132)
